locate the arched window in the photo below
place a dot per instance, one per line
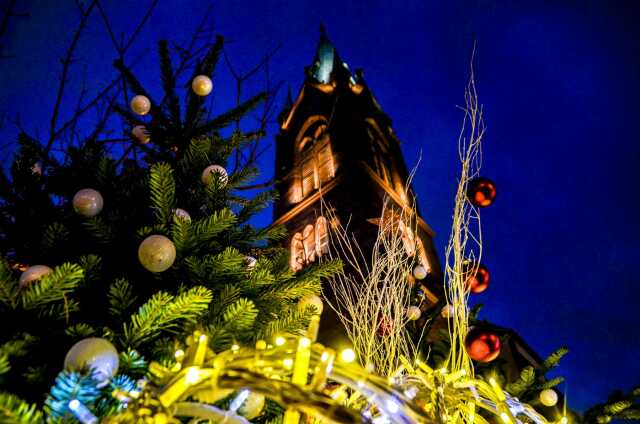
(313, 156)
(309, 239)
(322, 236)
(298, 258)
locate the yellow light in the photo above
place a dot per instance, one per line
(348, 355)
(288, 363)
(203, 338)
(324, 357)
(261, 345)
(280, 341)
(304, 342)
(563, 420)
(179, 353)
(235, 348)
(192, 376)
(505, 417)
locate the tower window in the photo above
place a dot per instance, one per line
(310, 244)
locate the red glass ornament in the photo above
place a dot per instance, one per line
(482, 345)
(478, 281)
(481, 192)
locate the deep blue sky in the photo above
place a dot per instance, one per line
(559, 81)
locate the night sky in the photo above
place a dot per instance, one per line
(559, 81)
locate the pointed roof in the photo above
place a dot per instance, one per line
(326, 62)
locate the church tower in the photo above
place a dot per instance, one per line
(336, 144)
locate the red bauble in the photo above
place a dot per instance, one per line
(481, 192)
(385, 326)
(479, 281)
(482, 345)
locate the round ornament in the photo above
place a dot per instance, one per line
(413, 313)
(448, 311)
(548, 397)
(96, 354)
(419, 272)
(478, 282)
(88, 202)
(141, 134)
(251, 262)
(207, 175)
(481, 192)
(312, 300)
(252, 406)
(385, 326)
(482, 345)
(36, 169)
(140, 104)
(32, 274)
(202, 85)
(182, 215)
(157, 253)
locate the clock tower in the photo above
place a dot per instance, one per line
(336, 148)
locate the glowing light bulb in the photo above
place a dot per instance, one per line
(280, 341)
(74, 404)
(324, 357)
(261, 345)
(192, 376)
(304, 342)
(563, 420)
(505, 417)
(235, 348)
(203, 338)
(179, 354)
(392, 406)
(348, 355)
(287, 362)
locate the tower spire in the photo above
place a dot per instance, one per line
(327, 62)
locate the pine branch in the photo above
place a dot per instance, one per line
(205, 229)
(121, 297)
(229, 117)
(548, 384)
(169, 81)
(164, 312)
(69, 386)
(205, 67)
(163, 188)
(53, 287)
(79, 331)
(8, 286)
(14, 410)
(293, 321)
(55, 234)
(554, 359)
(240, 316)
(523, 383)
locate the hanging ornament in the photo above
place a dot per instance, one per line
(141, 134)
(207, 175)
(548, 397)
(96, 354)
(32, 274)
(140, 104)
(311, 300)
(448, 311)
(385, 326)
(88, 202)
(481, 192)
(251, 262)
(413, 313)
(157, 253)
(482, 345)
(202, 85)
(252, 406)
(419, 272)
(182, 215)
(479, 281)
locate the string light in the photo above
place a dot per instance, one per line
(280, 341)
(348, 355)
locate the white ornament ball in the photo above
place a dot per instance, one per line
(32, 274)
(140, 104)
(96, 354)
(419, 272)
(413, 313)
(88, 202)
(182, 214)
(252, 406)
(309, 300)
(448, 311)
(157, 253)
(207, 174)
(202, 85)
(548, 397)
(250, 261)
(36, 169)
(141, 134)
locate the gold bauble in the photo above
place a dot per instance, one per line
(252, 406)
(548, 397)
(88, 202)
(202, 85)
(413, 313)
(419, 272)
(140, 104)
(96, 354)
(207, 175)
(32, 274)
(309, 300)
(157, 253)
(182, 215)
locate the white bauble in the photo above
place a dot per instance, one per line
(202, 85)
(448, 311)
(548, 397)
(88, 202)
(419, 272)
(182, 215)
(252, 406)
(207, 175)
(96, 354)
(309, 300)
(32, 274)
(141, 134)
(140, 104)
(250, 261)
(413, 313)
(36, 169)
(157, 253)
